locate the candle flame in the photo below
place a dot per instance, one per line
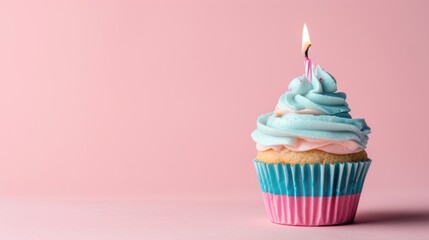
(306, 43)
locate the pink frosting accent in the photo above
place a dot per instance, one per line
(311, 211)
(283, 111)
(305, 144)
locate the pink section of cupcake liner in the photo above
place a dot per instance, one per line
(311, 211)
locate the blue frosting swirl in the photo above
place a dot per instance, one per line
(334, 122)
(319, 94)
(284, 130)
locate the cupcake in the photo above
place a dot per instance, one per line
(311, 161)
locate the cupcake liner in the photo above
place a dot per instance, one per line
(311, 211)
(312, 195)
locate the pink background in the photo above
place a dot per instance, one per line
(132, 119)
(145, 97)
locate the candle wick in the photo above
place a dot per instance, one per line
(306, 51)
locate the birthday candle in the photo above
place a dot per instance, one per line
(306, 44)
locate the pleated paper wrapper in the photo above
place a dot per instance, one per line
(312, 194)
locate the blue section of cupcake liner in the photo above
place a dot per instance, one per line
(312, 180)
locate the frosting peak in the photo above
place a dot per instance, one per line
(316, 96)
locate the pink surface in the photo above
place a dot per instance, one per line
(226, 217)
(144, 97)
(311, 211)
